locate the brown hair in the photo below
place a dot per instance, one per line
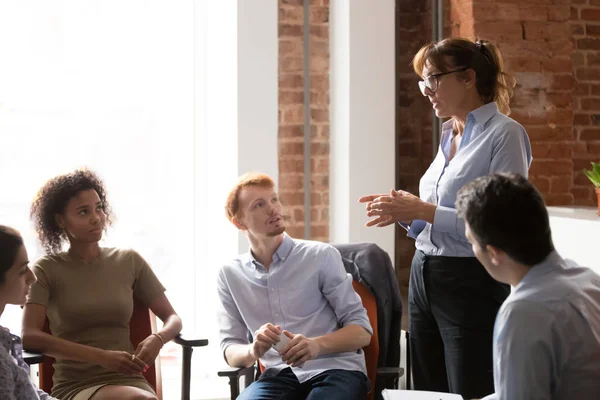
(492, 83)
(232, 204)
(10, 243)
(52, 199)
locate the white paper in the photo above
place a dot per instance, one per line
(418, 395)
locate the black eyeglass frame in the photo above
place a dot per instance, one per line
(423, 84)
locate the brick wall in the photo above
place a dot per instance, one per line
(291, 115)
(413, 119)
(552, 48)
(585, 31)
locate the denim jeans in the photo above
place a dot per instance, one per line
(330, 385)
(452, 304)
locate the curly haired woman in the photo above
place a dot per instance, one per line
(87, 295)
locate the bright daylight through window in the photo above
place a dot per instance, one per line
(121, 87)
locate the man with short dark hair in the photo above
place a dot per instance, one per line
(547, 332)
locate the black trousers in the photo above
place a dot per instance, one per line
(452, 306)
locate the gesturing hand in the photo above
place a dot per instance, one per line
(390, 208)
(265, 337)
(299, 349)
(121, 361)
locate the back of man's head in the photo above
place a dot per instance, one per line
(506, 211)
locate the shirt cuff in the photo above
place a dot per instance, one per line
(445, 220)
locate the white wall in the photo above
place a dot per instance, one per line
(257, 89)
(362, 116)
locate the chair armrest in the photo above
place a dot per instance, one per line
(390, 372)
(388, 377)
(189, 342)
(232, 372)
(32, 358)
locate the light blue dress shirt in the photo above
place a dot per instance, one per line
(547, 335)
(306, 290)
(491, 142)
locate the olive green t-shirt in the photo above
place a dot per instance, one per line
(91, 304)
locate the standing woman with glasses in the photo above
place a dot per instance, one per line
(452, 300)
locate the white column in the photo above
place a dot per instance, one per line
(362, 116)
(257, 99)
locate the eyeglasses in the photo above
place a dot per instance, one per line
(432, 82)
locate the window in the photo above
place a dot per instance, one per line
(122, 87)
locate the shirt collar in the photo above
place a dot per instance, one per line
(281, 254)
(484, 113)
(481, 115)
(552, 262)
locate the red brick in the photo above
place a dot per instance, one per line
(291, 64)
(523, 64)
(590, 14)
(560, 184)
(582, 89)
(294, 81)
(560, 100)
(291, 30)
(551, 168)
(292, 114)
(592, 30)
(563, 81)
(524, 116)
(560, 117)
(499, 31)
(594, 2)
(319, 31)
(590, 134)
(579, 178)
(289, 97)
(319, 115)
(546, 133)
(291, 148)
(584, 196)
(593, 59)
(574, 13)
(319, 164)
(542, 184)
(540, 30)
(595, 89)
(289, 14)
(291, 132)
(560, 48)
(319, 15)
(582, 119)
(577, 29)
(317, 149)
(562, 199)
(557, 65)
(578, 59)
(556, 150)
(594, 149)
(559, 12)
(590, 104)
(588, 74)
(588, 44)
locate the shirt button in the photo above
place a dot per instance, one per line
(272, 290)
(277, 315)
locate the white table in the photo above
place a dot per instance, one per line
(576, 234)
